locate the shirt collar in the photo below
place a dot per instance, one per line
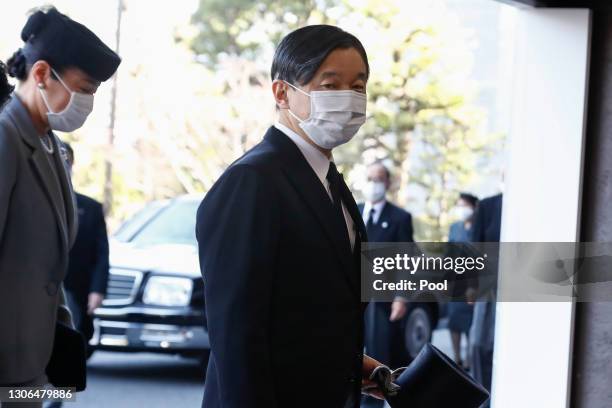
(378, 207)
(315, 158)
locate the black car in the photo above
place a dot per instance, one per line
(155, 299)
(155, 296)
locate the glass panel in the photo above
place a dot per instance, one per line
(173, 225)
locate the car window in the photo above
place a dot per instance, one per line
(175, 224)
(132, 225)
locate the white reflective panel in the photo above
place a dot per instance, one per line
(532, 361)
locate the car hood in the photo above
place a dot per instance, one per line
(167, 258)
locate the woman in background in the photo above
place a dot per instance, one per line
(59, 69)
(460, 312)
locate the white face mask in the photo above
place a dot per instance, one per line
(463, 212)
(335, 116)
(374, 191)
(74, 114)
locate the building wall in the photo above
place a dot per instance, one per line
(592, 368)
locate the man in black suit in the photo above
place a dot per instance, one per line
(279, 236)
(88, 263)
(487, 228)
(385, 222)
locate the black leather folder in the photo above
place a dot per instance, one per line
(67, 367)
(433, 380)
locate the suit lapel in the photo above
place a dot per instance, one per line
(309, 187)
(67, 192)
(23, 123)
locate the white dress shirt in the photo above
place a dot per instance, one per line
(320, 164)
(377, 207)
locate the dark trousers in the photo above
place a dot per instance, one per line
(384, 340)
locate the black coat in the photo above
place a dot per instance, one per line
(487, 220)
(88, 262)
(281, 283)
(384, 339)
(487, 228)
(37, 228)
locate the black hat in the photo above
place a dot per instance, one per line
(434, 380)
(63, 42)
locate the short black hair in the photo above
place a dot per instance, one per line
(469, 198)
(300, 54)
(385, 168)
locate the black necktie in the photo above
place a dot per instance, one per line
(333, 177)
(370, 221)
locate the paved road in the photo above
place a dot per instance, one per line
(119, 380)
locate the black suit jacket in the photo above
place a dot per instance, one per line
(394, 225)
(88, 262)
(281, 283)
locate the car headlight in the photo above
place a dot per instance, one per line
(168, 291)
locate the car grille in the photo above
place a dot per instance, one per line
(122, 286)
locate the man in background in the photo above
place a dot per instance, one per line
(385, 222)
(88, 264)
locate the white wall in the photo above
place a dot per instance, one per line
(532, 361)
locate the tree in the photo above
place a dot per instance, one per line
(421, 117)
(246, 29)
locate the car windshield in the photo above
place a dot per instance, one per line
(175, 224)
(131, 226)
